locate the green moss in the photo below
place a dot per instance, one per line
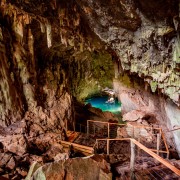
(153, 85)
(125, 79)
(91, 73)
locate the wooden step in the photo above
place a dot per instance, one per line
(84, 149)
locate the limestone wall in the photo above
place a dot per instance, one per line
(165, 113)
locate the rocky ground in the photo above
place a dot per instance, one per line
(28, 141)
(25, 142)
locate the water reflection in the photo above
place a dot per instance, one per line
(101, 102)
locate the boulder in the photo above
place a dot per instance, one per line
(134, 115)
(14, 143)
(17, 128)
(22, 172)
(11, 164)
(61, 156)
(52, 152)
(33, 168)
(35, 158)
(91, 168)
(4, 158)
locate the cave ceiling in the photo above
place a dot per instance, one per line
(144, 35)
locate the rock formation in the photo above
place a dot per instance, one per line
(79, 168)
(52, 52)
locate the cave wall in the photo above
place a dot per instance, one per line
(145, 37)
(31, 87)
(136, 95)
(49, 55)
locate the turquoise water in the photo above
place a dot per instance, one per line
(100, 102)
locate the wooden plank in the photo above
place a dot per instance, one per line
(108, 131)
(77, 146)
(155, 150)
(138, 151)
(107, 146)
(72, 135)
(103, 122)
(120, 139)
(158, 158)
(132, 160)
(158, 143)
(162, 134)
(80, 149)
(174, 130)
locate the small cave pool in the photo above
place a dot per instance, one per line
(101, 103)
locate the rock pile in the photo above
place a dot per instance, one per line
(25, 142)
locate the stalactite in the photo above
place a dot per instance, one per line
(49, 35)
(43, 28)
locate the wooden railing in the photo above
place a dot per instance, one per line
(91, 124)
(133, 142)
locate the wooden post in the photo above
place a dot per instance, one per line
(107, 146)
(158, 143)
(139, 139)
(108, 131)
(88, 128)
(133, 132)
(132, 161)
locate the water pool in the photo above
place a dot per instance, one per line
(100, 102)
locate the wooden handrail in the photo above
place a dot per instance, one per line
(126, 139)
(129, 127)
(155, 150)
(140, 126)
(103, 122)
(149, 151)
(158, 158)
(173, 130)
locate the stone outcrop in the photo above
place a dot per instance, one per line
(91, 168)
